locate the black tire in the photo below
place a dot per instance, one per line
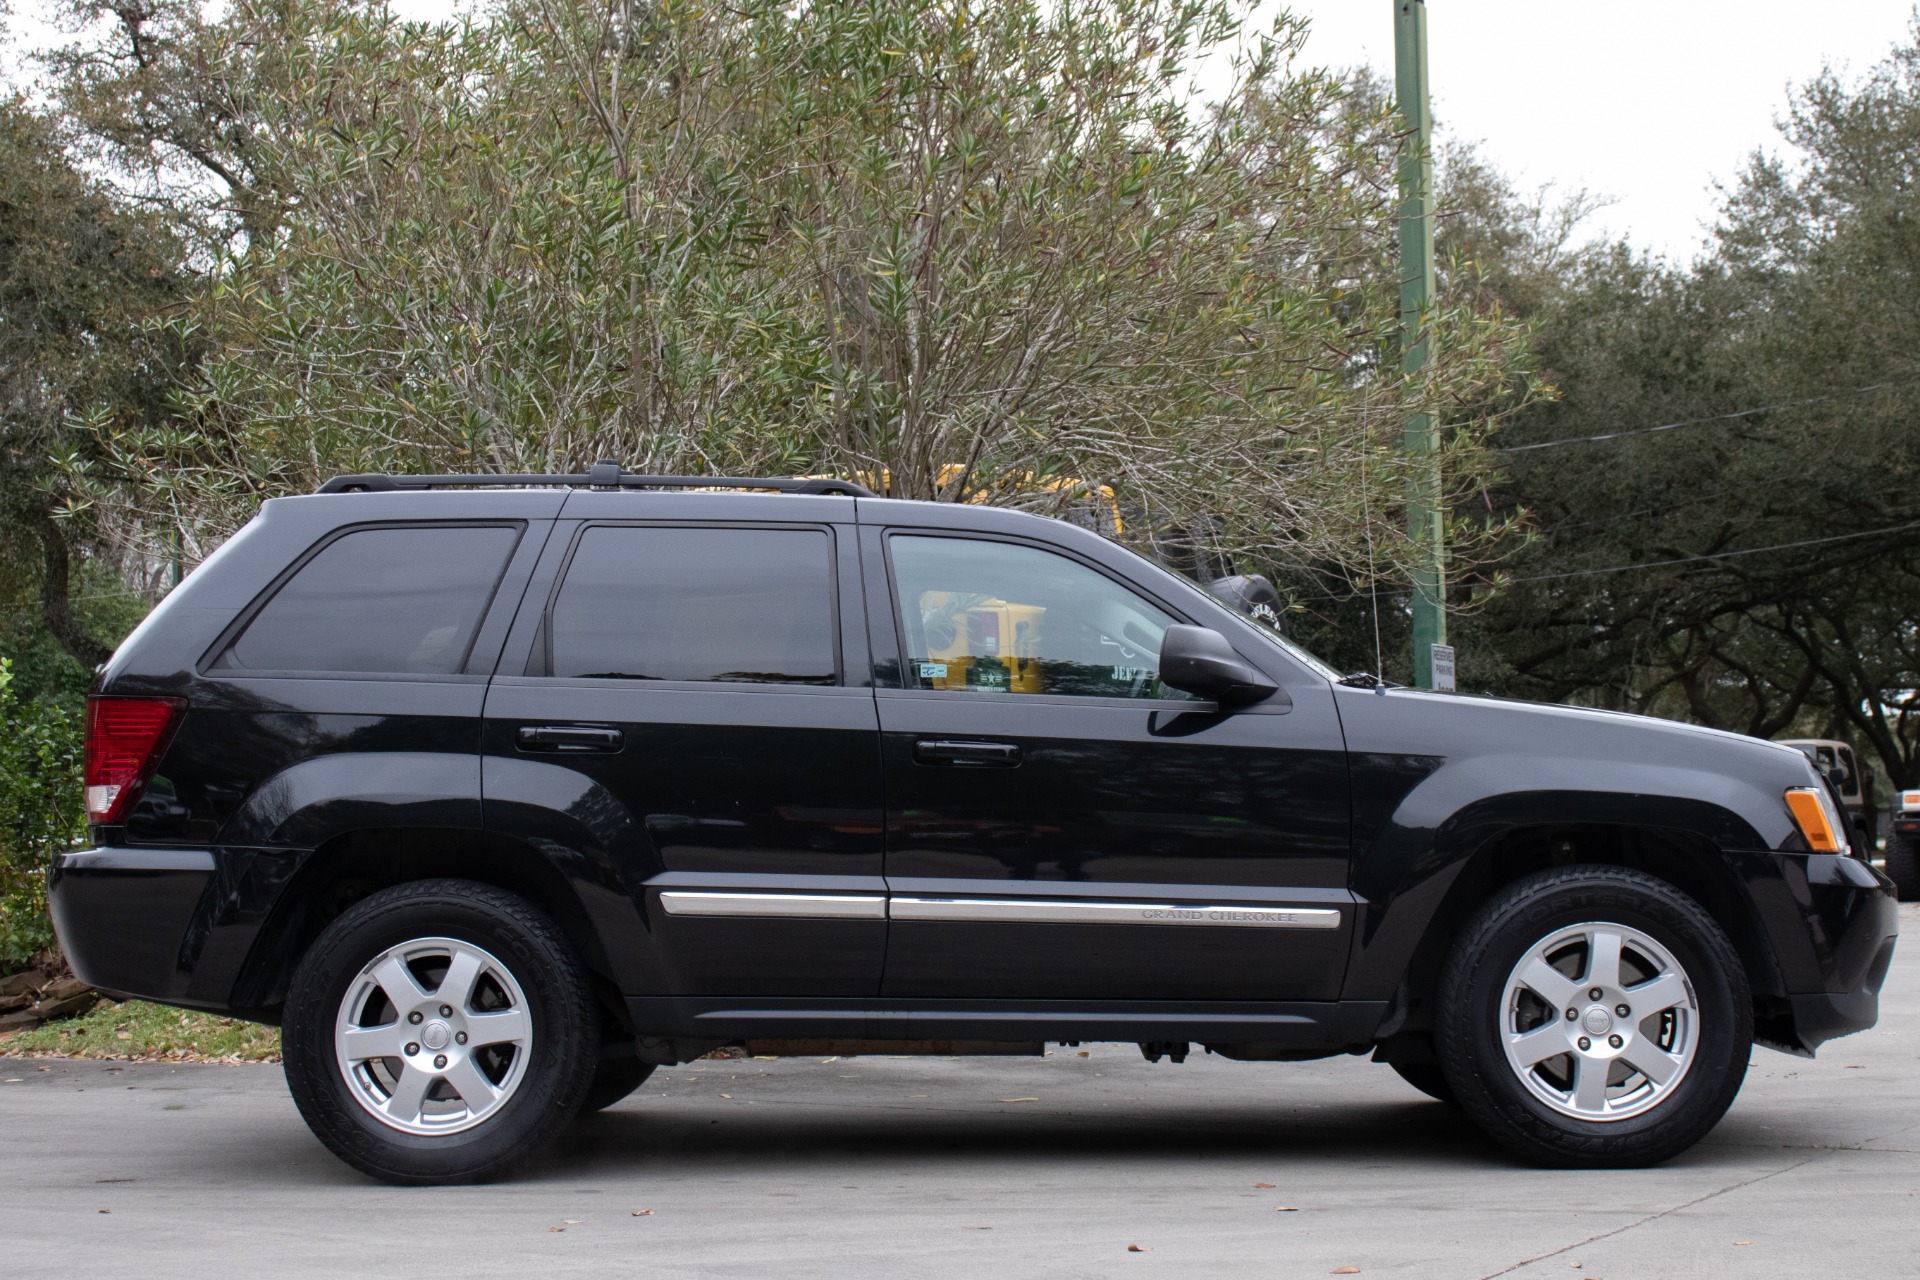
(560, 1011)
(1472, 1013)
(1903, 866)
(1428, 1078)
(615, 1079)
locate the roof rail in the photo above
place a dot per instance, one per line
(605, 474)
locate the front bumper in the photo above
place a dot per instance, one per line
(1849, 918)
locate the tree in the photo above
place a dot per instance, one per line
(1754, 567)
(80, 277)
(961, 250)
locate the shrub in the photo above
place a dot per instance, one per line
(41, 813)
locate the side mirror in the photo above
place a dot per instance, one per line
(1201, 662)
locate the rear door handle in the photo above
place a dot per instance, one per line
(569, 737)
(1001, 755)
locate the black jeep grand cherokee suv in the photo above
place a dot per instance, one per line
(496, 797)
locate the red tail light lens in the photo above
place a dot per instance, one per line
(124, 738)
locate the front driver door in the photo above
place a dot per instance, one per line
(1060, 826)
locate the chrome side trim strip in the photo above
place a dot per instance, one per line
(791, 906)
(1029, 911)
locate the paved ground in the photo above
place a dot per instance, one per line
(1022, 1167)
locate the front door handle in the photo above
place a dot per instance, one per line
(569, 737)
(1000, 755)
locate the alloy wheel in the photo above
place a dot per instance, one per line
(433, 1036)
(1599, 1022)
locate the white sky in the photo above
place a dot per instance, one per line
(1648, 102)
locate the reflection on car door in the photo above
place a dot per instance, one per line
(1061, 826)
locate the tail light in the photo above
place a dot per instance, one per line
(124, 740)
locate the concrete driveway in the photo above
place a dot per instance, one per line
(1021, 1167)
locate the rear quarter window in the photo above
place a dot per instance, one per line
(395, 600)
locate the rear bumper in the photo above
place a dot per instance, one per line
(124, 915)
(173, 925)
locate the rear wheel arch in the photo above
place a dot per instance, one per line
(356, 864)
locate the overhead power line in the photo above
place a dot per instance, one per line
(1661, 564)
(1721, 555)
(1695, 422)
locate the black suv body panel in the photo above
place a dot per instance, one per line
(879, 854)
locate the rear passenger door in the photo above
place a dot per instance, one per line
(680, 727)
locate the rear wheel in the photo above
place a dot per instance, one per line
(1594, 1017)
(1903, 865)
(439, 1032)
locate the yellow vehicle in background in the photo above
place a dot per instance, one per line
(1093, 507)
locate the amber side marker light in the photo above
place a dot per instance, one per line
(1810, 815)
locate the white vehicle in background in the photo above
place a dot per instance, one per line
(1903, 845)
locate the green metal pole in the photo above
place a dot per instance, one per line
(1424, 517)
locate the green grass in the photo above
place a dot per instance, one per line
(137, 1029)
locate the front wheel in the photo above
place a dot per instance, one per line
(439, 1032)
(1594, 1017)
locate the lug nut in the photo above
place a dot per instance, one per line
(439, 1060)
(412, 1048)
(1615, 1041)
(1595, 994)
(1585, 1043)
(460, 1037)
(414, 1017)
(1623, 1011)
(1572, 1015)
(446, 1011)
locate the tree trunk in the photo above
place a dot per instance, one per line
(56, 608)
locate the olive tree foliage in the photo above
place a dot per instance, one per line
(961, 250)
(86, 286)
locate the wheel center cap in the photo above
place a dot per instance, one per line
(436, 1034)
(1597, 1021)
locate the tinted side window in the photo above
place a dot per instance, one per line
(752, 605)
(994, 617)
(402, 601)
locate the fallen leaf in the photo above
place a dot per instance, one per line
(1019, 1099)
(1085, 1054)
(106, 1211)
(1286, 1208)
(916, 1095)
(642, 1213)
(1134, 1248)
(1263, 1186)
(976, 1228)
(1738, 1243)
(556, 1228)
(1344, 1271)
(572, 1222)
(727, 1096)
